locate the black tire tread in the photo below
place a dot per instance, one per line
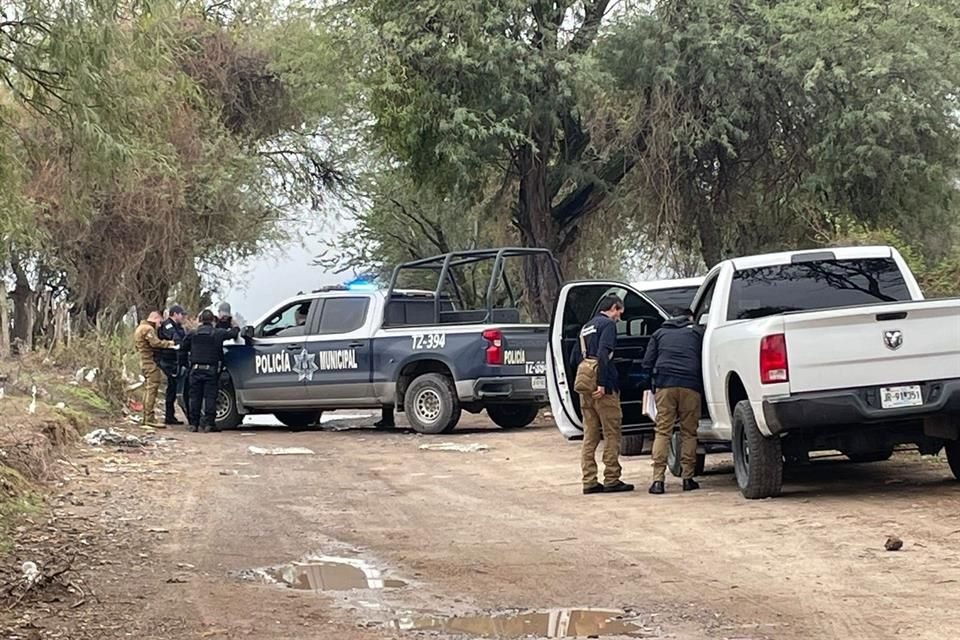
(952, 448)
(512, 416)
(765, 472)
(449, 394)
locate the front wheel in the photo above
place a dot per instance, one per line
(431, 404)
(953, 457)
(228, 415)
(298, 419)
(757, 460)
(673, 458)
(512, 416)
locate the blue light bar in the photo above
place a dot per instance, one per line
(360, 284)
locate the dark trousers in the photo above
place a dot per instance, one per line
(170, 400)
(203, 393)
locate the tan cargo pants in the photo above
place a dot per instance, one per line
(151, 386)
(604, 417)
(673, 404)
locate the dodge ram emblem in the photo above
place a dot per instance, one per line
(893, 339)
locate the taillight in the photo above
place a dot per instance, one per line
(773, 359)
(495, 346)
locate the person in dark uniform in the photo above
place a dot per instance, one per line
(224, 316)
(172, 362)
(205, 349)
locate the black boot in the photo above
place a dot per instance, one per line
(617, 487)
(689, 484)
(657, 487)
(596, 488)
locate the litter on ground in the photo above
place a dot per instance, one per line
(279, 451)
(453, 446)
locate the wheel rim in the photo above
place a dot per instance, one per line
(428, 406)
(223, 404)
(742, 458)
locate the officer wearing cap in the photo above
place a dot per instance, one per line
(205, 349)
(224, 316)
(172, 362)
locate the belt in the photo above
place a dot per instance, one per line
(202, 366)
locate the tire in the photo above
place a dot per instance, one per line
(298, 419)
(512, 416)
(757, 460)
(673, 458)
(631, 445)
(952, 448)
(869, 456)
(431, 404)
(228, 415)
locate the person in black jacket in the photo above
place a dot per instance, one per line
(205, 349)
(602, 414)
(674, 359)
(172, 362)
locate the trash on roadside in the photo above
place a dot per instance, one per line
(32, 407)
(893, 544)
(453, 446)
(101, 437)
(279, 451)
(31, 572)
(60, 405)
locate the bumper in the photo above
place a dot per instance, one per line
(849, 407)
(518, 389)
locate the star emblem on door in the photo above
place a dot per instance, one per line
(305, 364)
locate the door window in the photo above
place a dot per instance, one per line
(343, 315)
(706, 301)
(640, 318)
(288, 321)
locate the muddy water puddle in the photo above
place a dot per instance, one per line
(551, 623)
(327, 573)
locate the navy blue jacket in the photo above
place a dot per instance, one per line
(674, 355)
(170, 360)
(600, 336)
(205, 345)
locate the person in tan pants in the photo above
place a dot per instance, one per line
(674, 358)
(602, 416)
(146, 342)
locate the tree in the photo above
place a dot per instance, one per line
(463, 87)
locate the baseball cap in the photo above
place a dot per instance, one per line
(175, 308)
(224, 309)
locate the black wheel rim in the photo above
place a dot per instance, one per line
(742, 457)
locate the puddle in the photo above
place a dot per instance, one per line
(552, 623)
(327, 573)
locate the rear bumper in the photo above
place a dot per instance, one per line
(515, 389)
(850, 407)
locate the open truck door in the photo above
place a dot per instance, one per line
(576, 304)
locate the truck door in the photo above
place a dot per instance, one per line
(269, 378)
(576, 305)
(337, 371)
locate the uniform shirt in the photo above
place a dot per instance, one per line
(674, 355)
(146, 341)
(170, 330)
(600, 336)
(205, 345)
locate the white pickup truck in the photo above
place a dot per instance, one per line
(826, 350)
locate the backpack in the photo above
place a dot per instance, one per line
(585, 382)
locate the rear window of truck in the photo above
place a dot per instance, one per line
(816, 285)
(675, 300)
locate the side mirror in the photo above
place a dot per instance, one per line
(246, 332)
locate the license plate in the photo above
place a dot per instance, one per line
(899, 397)
(539, 382)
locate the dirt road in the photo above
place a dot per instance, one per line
(488, 531)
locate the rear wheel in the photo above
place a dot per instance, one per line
(673, 458)
(512, 416)
(953, 457)
(757, 460)
(298, 419)
(431, 404)
(878, 455)
(228, 415)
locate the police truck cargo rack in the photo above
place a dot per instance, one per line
(451, 341)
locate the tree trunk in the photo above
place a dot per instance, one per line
(24, 308)
(711, 246)
(537, 229)
(4, 325)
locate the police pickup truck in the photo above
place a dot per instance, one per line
(429, 354)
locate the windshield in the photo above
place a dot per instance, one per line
(675, 300)
(810, 286)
